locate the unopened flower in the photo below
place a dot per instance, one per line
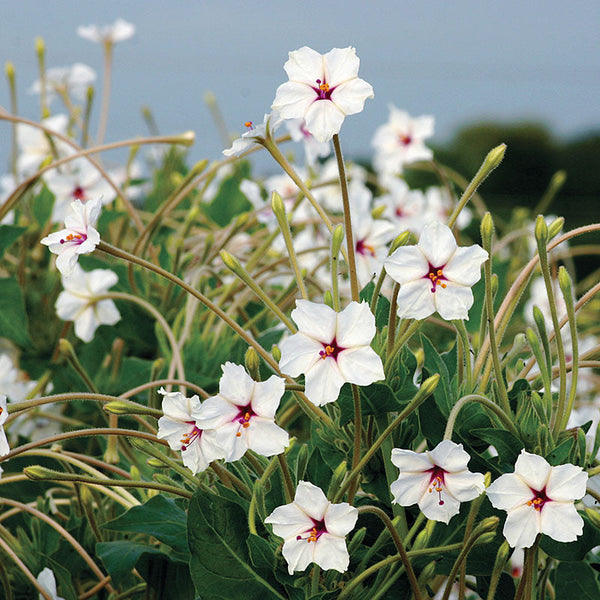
(437, 480)
(74, 80)
(78, 303)
(331, 348)
(313, 529)
(254, 134)
(48, 582)
(243, 414)
(539, 498)
(436, 275)
(78, 236)
(179, 426)
(322, 90)
(119, 31)
(4, 447)
(401, 141)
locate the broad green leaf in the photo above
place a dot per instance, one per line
(576, 580)
(229, 201)
(160, 517)
(42, 206)
(220, 562)
(13, 318)
(507, 445)
(8, 235)
(170, 580)
(120, 557)
(434, 363)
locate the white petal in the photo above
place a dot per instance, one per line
(465, 486)
(508, 492)
(452, 301)
(437, 243)
(465, 265)
(323, 382)
(406, 264)
(289, 521)
(266, 438)
(561, 521)
(293, 99)
(415, 300)
(315, 320)
(305, 64)
(410, 487)
(86, 324)
(236, 385)
(340, 519)
(68, 306)
(215, 412)
(177, 407)
(440, 506)
(267, 396)
(341, 64)
(407, 460)
(331, 553)
(450, 456)
(311, 500)
(533, 469)
(355, 325)
(566, 482)
(522, 527)
(323, 119)
(107, 312)
(361, 366)
(299, 354)
(298, 554)
(100, 280)
(350, 97)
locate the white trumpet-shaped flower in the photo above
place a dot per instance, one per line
(243, 414)
(322, 90)
(437, 480)
(539, 498)
(313, 529)
(436, 275)
(331, 348)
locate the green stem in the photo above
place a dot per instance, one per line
(464, 337)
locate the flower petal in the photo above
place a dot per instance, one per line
(533, 469)
(330, 552)
(437, 243)
(561, 521)
(410, 487)
(323, 382)
(340, 519)
(341, 64)
(299, 354)
(508, 492)
(406, 264)
(522, 526)
(323, 119)
(415, 300)
(453, 301)
(235, 384)
(407, 460)
(350, 97)
(265, 437)
(293, 99)
(361, 366)
(465, 486)
(440, 506)
(311, 500)
(465, 265)
(305, 64)
(566, 483)
(355, 325)
(267, 396)
(315, 320)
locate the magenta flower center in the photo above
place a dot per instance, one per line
(243, 418)
(190, 436)
(436, 482)
(405, 139)
(314, 533)
(365, 249)
(323, 90)
(539, 499)
(330, 350)
(79, 193)
(436, 276)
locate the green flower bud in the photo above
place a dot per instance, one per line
(276, 353)
(564, 280)
(541, 231)
(252, 362)
(336, 240)
(400, 240)
(555, 227)
(487, 230)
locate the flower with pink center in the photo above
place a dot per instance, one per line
(436, 275)
(313, 529)
(400, 141)
(179, 426)
(78, 236)
(539, 499)
(437, 480)
(242, 414)
(331, 348)
(322, 90)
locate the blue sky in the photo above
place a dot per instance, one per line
(461, 61)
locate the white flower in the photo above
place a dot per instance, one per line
(403, 206)
(438, 480)
(78, 301)
(78, 180)
(313, 529)
(331, 348)
(322, 90)
(539, 498)
(4, 447)
(34, 146)
(180, 428)
(254, 134)
(439, 207)
(13, 383)
(75, 79)
(400, 141)
(119, 31)
(328, 192)
(243, 414)
(47, 581)
(78, 236)
(436, 275)
(313, 148)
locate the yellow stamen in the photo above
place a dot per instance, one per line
(324, 87)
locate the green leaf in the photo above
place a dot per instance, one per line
(13, 318)
(576, 580)
(229, 201)
(8, 235)
(42, 206)
(161, 518)
(434, 363)
(507, 445)
(121, 557)
(262, 554)
(220, 561)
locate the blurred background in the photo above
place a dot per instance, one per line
(524, 73)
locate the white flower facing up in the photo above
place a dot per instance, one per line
(119, 31)
(243, 414)
(47, 581)
(322, 90)
(179, 426)
(438, 480)
(4, 447)
(77, 302)
(539, 498)
(400, 141)
(314, 529)
(331, 348)
(253, 134)
(74, 80)
(78, 236)
(436, 275)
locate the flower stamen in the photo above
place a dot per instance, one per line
(436, 275)
(249, 125)
(539, 499)
(436, 484)
(74, 237)
(190, 436)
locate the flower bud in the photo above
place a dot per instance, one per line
(377, 212)
(555, 227)
(230, 261)
(593, 515)
(40, 46)
(276, 353)
(156, 463)
(356, 541)
(9, 69)
(541, 231)
(252, 362)
(336, 240)
(564, 280)
(421, 540)
(489, 524)
(430, 384)
(38, 472)
(400, 240)
(540, 322)
(494, 157)
(278, 207)
(487, 230)
(328, 298)
(336, 479)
